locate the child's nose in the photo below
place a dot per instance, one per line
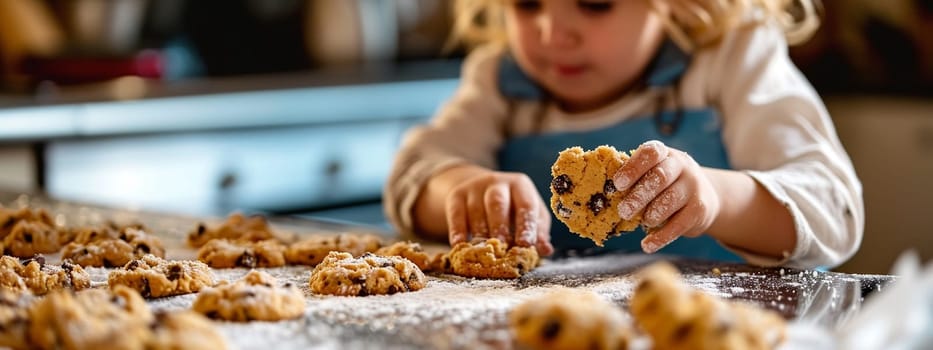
(557, 32)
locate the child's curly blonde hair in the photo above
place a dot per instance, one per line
(691, 24)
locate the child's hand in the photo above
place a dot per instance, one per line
(499, 205)
(677, 198)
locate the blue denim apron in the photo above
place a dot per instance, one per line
(696, 131)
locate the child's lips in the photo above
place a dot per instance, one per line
(569, 70)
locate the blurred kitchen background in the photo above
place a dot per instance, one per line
(200, 107)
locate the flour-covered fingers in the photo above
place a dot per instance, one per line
(497, 201)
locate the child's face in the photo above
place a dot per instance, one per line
(585, 52)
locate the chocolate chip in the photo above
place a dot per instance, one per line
(562, 184)
(36, 257)
(520, 267)
(681, 333)
(212, 314)
(550, 330)
(118, 301)
(132, 265)
(576, 203)
(201, 229)
(288, 285)
(609, 187)
(392, 290)
(247, 259)
(147, 291)
(363, 291)
(248, 294)
(142, 248)
(27, 237)
(563, 211)
(66, 265)
(597, 203)
(175, 272)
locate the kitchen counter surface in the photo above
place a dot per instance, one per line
(455, 312)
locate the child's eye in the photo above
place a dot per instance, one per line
(528, 5)
(595, 6)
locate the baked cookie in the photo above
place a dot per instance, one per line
(92, 319)
(256, 297)
(10, 217)
(408, 250)
(491, 258)
(115, 319)
(583, 195)
(677, 317)
(311, 251)
(342, 274)
(570, 319)
(41, 278)
(27, 238)
(237, 227)
(154, 277)
(14, 319)
(183, 330)
(109, 248)
(224, 253)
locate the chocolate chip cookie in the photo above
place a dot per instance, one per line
(256, 297)
(408, 250)
(225, 253)
(491, 258)
(40, 278)
(14, 319)
(583, 195)
(677, 317)
(111, 248)
(183, 330)
(570, 319)
(154, 277)
(342, 274)
(27, 232)
(311, 251)
(237, 227)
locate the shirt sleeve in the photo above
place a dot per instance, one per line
(777, 130)
(468, 128)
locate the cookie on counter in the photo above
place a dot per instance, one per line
(408, 250)
(225, 253)
(312, 250)
(678, 317)
(27, 232)
(109, 247)
(14, 319)
(342, 274)
(154, 277)
(570, 319)
(255, 297)
(237, 227)
(491, 258)
(583, 195)
(40, 278)
(115, 319)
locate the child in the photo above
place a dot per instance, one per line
(733, 145)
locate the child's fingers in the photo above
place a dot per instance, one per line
(643, 159)
(525, 204)
(665, 204)
(682, 222)
(651, 184)
(476, 214)
(457, 228)
(497, 201)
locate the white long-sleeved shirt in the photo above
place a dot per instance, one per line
(775, 128)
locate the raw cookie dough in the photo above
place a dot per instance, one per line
(583, 195)
(27, 232)
(225, 253)
(154, 277)
(109, 247)
(237, 227)
(311, 251)
(491, 258)
(677, 317)
(40, 278)
(408, 250)
(342, 274)
(570, 319)
(256, 297)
